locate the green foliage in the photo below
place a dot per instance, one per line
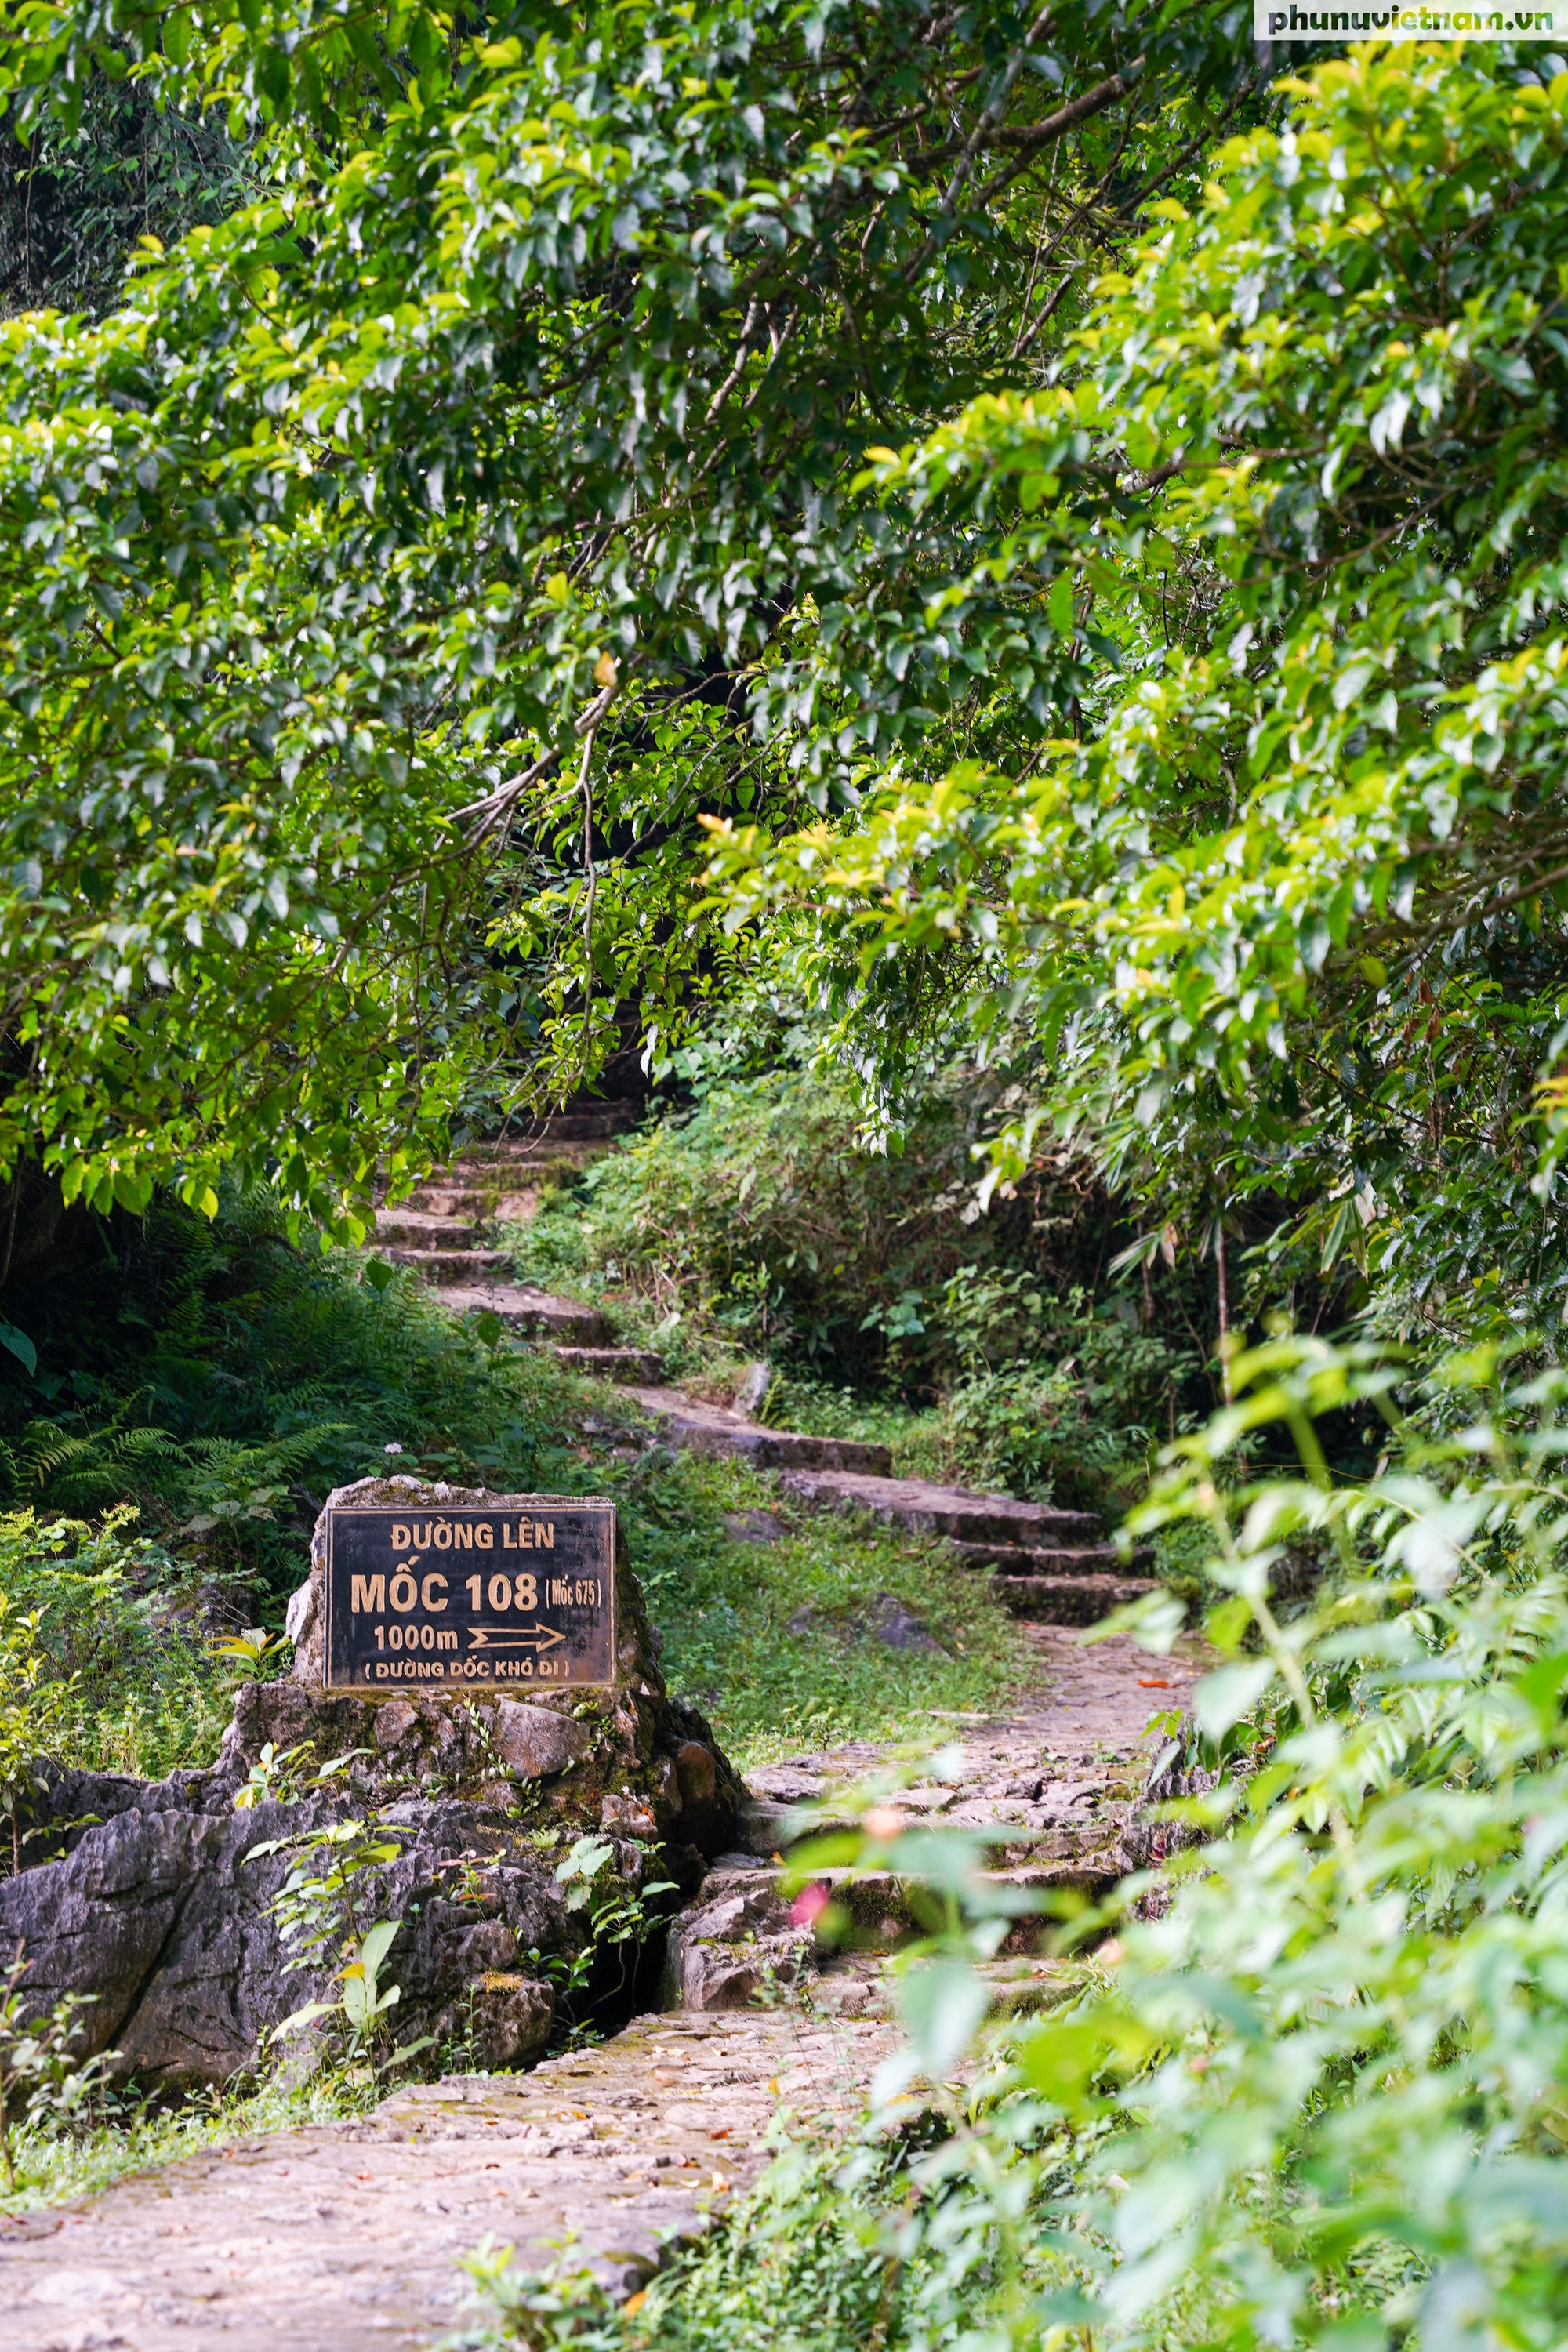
(758, 1221)
(235, 1487)
(226, 1381)
(1282, 917)
(565, 2303)
(350, 732)
(113, 1679)
(78, 200)
(283, 1774)
(79, 1469)
(619, 1919)
(1069, 1424)
(795, 2268)
(1310, 2093)
(34, 1704)
(320, 1903)
(255, 1653)
(582, 1866)
(322, 1913)
(45, 2086)
(1074, 1427)
(1026, 1430)
(765, 1217)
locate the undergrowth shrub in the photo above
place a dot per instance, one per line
(760, 1214)
(757, 1226)
(1309, 2092)
(56, 2167)
(1072, 1419)
(225, 1380)
(128, 1685)
(1073, 1423)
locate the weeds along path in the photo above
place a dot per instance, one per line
(341, 2237)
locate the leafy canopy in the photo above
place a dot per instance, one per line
(380, 582)
(1283, 913)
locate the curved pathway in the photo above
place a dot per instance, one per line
(346, 2236)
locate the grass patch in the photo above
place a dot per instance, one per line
(54, 2168)
(726, 1611)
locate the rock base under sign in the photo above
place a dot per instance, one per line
(141, 1894)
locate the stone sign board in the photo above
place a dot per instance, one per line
(456, 1596)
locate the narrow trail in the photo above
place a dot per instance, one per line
(347, 2236)
(1048, 1566)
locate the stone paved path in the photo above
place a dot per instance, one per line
(1057, 1780)
(348, 2236)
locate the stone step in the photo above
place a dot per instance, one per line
(469, 1201)
(447, 1268)
(493, 1167)
(592, 1123)
(1057, 1531)
(793, 1449)
(1072, 1559)
(628, 1365)
(500, 1151)
(414, 1229)
(537, 1313)
(596, 1126)
(715, 1430)
(1069, 1599)
(876, 1899)
(930, 1510)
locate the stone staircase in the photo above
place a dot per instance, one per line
(1050, 1565)
(440, 1229)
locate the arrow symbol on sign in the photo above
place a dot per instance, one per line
(521, 1637)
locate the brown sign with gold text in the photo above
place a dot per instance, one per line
(501, 1597)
